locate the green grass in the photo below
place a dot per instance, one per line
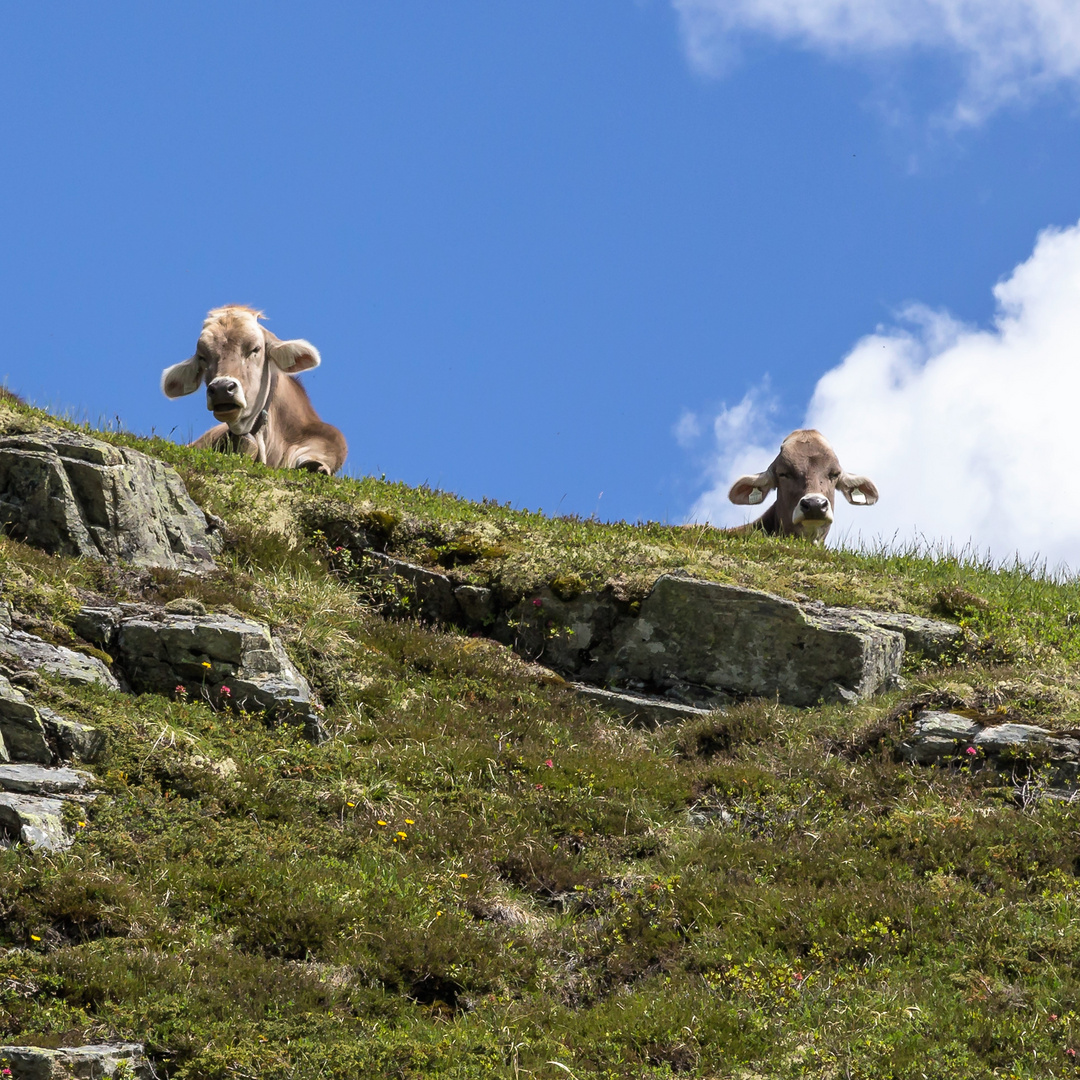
(480, 875)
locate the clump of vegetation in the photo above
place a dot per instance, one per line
(480, 874)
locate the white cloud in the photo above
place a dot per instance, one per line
(970, 434)
(744, 439)
(1007, 49)
(687, 429)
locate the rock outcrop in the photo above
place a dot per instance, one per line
(32, 802)
(41, 736)
(430, 595)
(77, 1062)
(944, 737)
(228, 661)
(33, 792)
(71, 494)
(696, 643)
(20, 651)
(738, 641)
(35, 786)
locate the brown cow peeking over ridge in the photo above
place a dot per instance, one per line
(806, 475)
(265, 413)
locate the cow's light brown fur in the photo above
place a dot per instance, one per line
(265, 412)
(806, 475)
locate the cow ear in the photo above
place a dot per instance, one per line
(293, 356)
(750, 490)
(183, 378)
(857, 489)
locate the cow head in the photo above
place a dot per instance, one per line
(236, 357)
(806, 476)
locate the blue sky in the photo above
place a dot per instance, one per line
(533, 243)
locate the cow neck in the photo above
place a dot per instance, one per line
(261, 413)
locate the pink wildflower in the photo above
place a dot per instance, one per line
(1071, 1052)
(971, 750)
(549, 763)
(538, 602)
(539, 787)
(226, 691)
(180, 688)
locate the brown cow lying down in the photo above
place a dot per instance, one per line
(806, 475)
(264, 413)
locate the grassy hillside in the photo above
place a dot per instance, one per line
(480, 875)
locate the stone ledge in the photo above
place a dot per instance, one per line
(77, 1062)
(943, 737)
(71, 494)
(726, 640)
(640, 709)
(232, 662)
(34, 820)
(37, 780)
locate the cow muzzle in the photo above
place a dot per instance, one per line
(225, 398)
(812, 508)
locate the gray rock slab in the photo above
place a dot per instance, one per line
(22, 733)
(78, 1062)
(938, 735)
(931, 637)
(746, 642)
(725, 640)
(35, 820)
(21, 650)
(72, 738)
(39, 780)
(942, 737)
(71, 494)
(641, 709)
(1005, 738)
(430, 595)
(206, 654)
(98, 625)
